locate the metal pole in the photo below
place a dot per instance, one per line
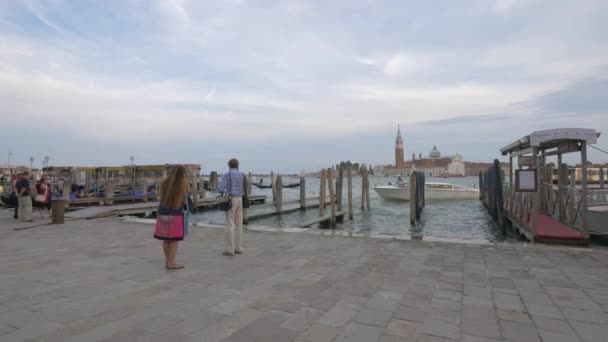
(10, 171)
(584, 187)
(132, 176)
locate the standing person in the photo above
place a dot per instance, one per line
(44, 194)
(232, 184)
(25, 200)
(14, 182)
(173, 198)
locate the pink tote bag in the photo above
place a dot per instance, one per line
(169, 227)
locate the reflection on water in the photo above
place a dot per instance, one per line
(465, 220)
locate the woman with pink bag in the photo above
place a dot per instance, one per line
(172, 214)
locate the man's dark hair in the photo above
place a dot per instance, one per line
(233, 163)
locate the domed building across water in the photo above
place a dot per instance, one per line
(435, 165)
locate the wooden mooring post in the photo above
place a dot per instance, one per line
(302, 193)
(339, 188)
(109, 192)
(365, 201)
(322, 193)
(417, 198)
(349, 175)
(491, 192)
(278, 193)
(332, 196)
(273, 186)
(413, 198)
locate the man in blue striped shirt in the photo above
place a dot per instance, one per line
(232, 184)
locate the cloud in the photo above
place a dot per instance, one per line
(582, 97)
(37, 11)
(502, 6)
(401, 64)
(296, 71)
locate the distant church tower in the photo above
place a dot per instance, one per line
(399, 152)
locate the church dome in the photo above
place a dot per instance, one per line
(435, 153)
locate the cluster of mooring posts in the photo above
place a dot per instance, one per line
(417, 201)
(535, 207)
(106, 186)
(331, 194)
(491, 183)
(329, 202)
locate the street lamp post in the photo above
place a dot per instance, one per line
(132, 175)
(10, 171)
(32, 168)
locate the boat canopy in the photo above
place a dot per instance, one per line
(550, 138)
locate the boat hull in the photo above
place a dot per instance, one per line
(597, 218)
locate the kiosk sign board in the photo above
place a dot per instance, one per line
(525, 180)
(526, 161)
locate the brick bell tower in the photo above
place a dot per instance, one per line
(399, 151)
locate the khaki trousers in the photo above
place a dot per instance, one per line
(25, 208)
(234, 226)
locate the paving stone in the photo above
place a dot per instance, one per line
(444, 304)
(481, 328)
(441, 328)
(550, 311)
(508, 302)
(572, 298)
(449, 295)
(319, 333)
(389, 338)
(373, 317)
(410, 314)
(478, 292)
(452, 317)
(415, 301)
(479, 314)
(591, 332)
(550, 324)
(470, 338)
(405, 329)
(360, 333)
(514, 316)
(520, 332)
(585, 315)
(449, 286)
(431, 338)
(503, 283)
(290, 306)
(554, 336)
(337, 317)
(478, 302)
(303, 319)
(384, 302)
(528, 285)
(5, 328)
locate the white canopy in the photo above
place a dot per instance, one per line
(550, 136)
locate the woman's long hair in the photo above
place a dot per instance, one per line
(173, 188)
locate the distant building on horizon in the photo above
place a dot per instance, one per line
(435, 165)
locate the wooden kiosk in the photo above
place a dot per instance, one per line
(538, 209)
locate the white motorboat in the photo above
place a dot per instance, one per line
(433, 190)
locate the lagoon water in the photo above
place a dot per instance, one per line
(462, 220)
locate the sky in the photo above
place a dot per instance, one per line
(294, 85)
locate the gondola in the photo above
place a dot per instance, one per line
(264, 186)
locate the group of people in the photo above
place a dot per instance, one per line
(173, 202)
(28, 196)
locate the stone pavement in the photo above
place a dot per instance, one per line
(103, 280)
